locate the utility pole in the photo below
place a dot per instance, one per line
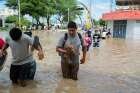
(111, 8)
(19, 19)
(91, 11)
(90, 8)
(68, 15)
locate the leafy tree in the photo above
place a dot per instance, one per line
(12, 4)
(96, 22)
(63, 6)
(34, 8)
(102, 22)
(47, 8)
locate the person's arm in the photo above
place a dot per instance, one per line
(38, 47)
(59, 47)
(6, 45)
(40, 52)
(3, 50)
(62, 50)
(84, 51)
(35, 43)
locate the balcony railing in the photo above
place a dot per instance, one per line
(127, 2)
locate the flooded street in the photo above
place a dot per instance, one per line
(114, 67)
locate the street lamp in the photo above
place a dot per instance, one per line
(68, 15)
(19, 19)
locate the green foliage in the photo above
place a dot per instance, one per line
(4, 29)
(62, 8)
(47, 8)
(14, 19)
(99, 22)
(11, 19)
(96, 22)
(11, 4)
(102, 22)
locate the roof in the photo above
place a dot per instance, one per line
(122, 15)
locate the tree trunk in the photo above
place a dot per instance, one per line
(59, 19)
(48, 22)
(37, 22)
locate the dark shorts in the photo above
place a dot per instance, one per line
(96, 44)
(23, 72)
(70, 70)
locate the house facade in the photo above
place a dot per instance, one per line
(124, 22)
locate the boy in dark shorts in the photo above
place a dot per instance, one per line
(23, 65)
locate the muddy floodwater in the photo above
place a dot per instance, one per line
(114, 67)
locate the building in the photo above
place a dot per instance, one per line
(130, 3)
(124, 22)
(5, 13)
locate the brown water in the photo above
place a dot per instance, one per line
(114, 67)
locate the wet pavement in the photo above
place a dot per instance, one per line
(114, 67)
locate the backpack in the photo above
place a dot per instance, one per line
(66, 37)
(28, 33)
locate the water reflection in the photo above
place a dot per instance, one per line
(67, 86)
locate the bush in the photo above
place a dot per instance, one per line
(14, 19)
(4, 29)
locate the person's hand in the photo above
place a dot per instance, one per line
(70, 46)
(1, 53)
(82, 61)
(40, 55)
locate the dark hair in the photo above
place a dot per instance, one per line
(15, 34)
(72, 24)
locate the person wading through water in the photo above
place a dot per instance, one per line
(71, 42)
(23, 65)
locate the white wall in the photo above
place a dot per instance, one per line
(110, 26)
(130, 29)
(136, 34)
